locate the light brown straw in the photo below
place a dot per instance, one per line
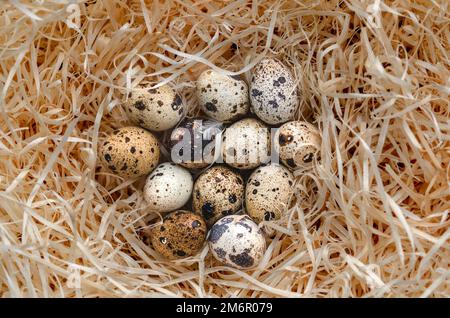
(371, 218)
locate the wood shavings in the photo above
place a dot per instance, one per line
(370, 220)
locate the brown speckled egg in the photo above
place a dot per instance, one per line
(246, 144)
(130, 152)
(273, 92)
(192, 142)
(236, 240)
(156, 109)
(219, 191)
(181, 234)
(299, 143)
(269, 192)
(223, 98)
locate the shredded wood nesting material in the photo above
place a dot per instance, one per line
(373, 75)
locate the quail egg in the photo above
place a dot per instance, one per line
(130, 152)
(219, 191)
(223, 98)
(168, 187)
(273, 92)
(299, 143)
(236, 240)
(193, 142)
(269, 192)
(246, 144)
(156, 109)
(181, 234)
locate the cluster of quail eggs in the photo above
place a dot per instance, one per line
(221, 205)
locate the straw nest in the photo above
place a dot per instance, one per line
(373, 75)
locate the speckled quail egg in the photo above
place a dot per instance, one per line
(219, 191)
(130, 152)
(193, 142)
(181, 234)
(246, 144)
(299, 143)
(269, 192)
(273, 92)
(168, 187)
(237, 241)
(156, 109)
(222, 97)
